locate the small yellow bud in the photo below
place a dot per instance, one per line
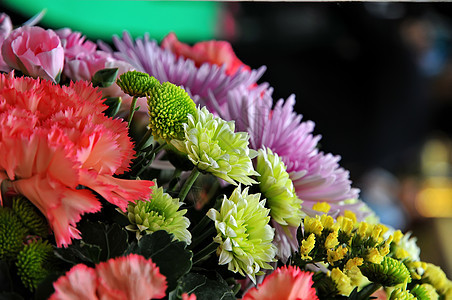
(342, 281)
(401, 253)
(398, 235)
(331, 240)
(307, 246)
(321, 206)
(351, 270)
(362, 229)
(337, 254)
(346, 224)
(351, 215)
(327, 221)
(374, 256)
(312, 225)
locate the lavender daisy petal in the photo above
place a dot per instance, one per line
(205, 82)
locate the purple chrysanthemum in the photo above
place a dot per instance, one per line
(208, 85)
(317, 177)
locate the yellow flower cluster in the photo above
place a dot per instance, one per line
(344, 245)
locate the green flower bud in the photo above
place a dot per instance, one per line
(401, 294)
(31, 263)
(169, 106)
(30, 217)
(136, 84)
(425, 292)
(159, 213)
(12, 234)
(388, 273)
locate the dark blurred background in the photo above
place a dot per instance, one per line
(376, 78)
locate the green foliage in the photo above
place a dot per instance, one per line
(203, 287)
(99, 242)
(172, 257)
(113, 103)
(105, 77)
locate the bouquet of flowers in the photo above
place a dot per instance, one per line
(134, 170)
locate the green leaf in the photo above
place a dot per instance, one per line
(203, 287)
(172, 257)
(113, 103)
(99, 243)
(112, 240)
(79, 252)
(5, 277)
(10, 296)
(104, 77)
(45, 288)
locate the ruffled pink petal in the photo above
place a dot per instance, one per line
(117, 191)
(80, 282)
(62, 206)
(131, 277)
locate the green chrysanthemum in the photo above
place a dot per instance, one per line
(136, 84)
(160, 213)
(27, 214)
(212, 146)
(276, 186)
(169, 106)
(12, 234)
(401, 294)
(244, 235)
(31, 261)
(425, 292)
(388, 273)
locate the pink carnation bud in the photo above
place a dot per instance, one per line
(5, 28)
(34, 51)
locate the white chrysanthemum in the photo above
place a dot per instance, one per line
(161, 212)
(276, 186)
(244, 235)
(212, 146)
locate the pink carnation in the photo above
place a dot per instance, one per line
(130, 277)
(286, 283)
(55, 141)
(34, 51)
(214, 52)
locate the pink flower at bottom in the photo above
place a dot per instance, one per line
(286, 283)
(130, 277)
(185, 296)
(79, 283)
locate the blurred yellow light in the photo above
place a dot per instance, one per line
(434, 200)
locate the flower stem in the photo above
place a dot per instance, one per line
(143, 140)
(151, 156)
(204, 253)
(368, 290)
(132, 111)
(197, 239)
(188, 184)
